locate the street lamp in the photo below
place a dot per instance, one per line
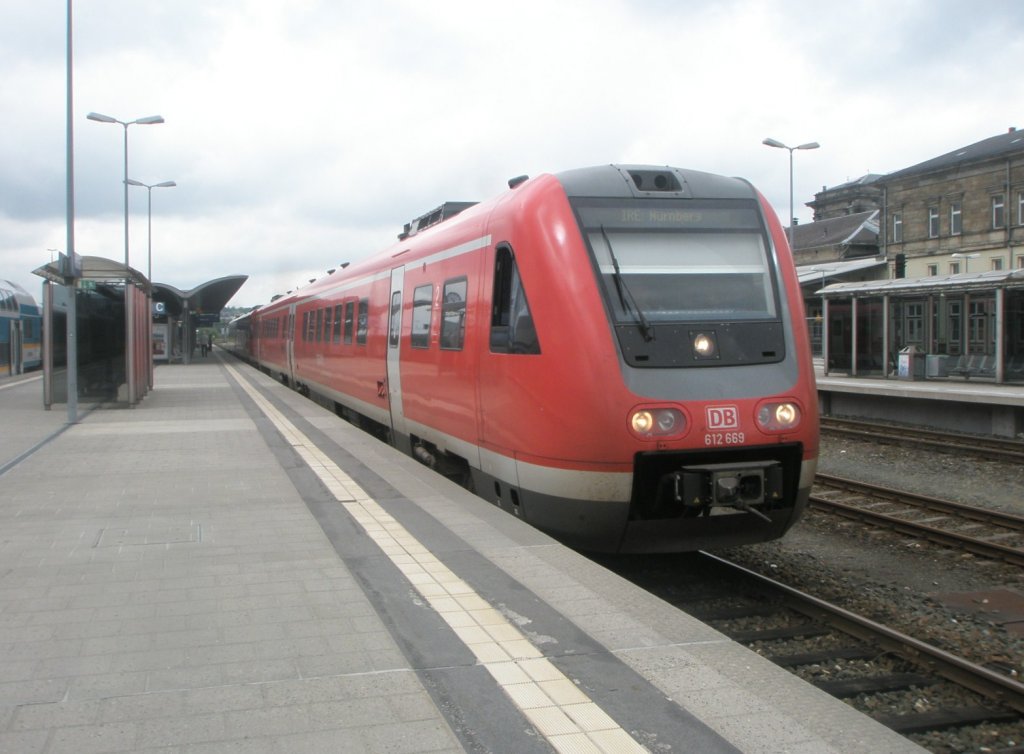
(779, 145)
(149, 191)
(147, 121)
(966, 257)
(129, 315)
(149, 261)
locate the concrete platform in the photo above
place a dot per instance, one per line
(229, 568)
(973, 406)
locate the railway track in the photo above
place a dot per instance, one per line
(986, 533)
(989, 448)
(912, 687)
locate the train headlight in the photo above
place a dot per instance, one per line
(778, 417)
(647, 423)
(704, 344)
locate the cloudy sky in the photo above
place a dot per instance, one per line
(304, 133)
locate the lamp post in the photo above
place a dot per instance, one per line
(149, 262)
(966, 257)
(779, 145)
(129, 314)
(149, 191)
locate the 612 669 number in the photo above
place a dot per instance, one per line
(715, 439)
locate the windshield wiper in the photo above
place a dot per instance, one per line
(620, 285)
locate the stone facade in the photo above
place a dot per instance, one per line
(969, 202)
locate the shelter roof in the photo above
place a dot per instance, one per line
(965, 281)
(99, 269)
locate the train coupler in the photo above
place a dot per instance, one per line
(741, 486)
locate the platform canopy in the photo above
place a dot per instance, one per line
(964, 281)
(98, 269)
(207, 298)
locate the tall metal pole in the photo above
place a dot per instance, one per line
(779, 145)
(129, 315)
(130, 356)
(72, 315)
(149, 265)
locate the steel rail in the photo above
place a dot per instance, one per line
(988, 447)
(988, 683)
(949, 507)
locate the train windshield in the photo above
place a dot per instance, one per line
(670, 262)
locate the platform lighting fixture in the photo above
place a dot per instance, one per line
(779, 145)
(149, 254)
(149, 211)
(149, 120)
(966, 257)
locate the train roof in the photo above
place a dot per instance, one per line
(612, 180)
(651, 181)
(22, 296)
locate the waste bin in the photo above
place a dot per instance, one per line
(910, 364)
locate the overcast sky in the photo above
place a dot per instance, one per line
(304, 133)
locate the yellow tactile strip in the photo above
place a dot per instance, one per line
(566, 716)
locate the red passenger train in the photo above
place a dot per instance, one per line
(617, 355)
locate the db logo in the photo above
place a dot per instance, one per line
(723, 417)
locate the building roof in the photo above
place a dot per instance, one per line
(1011, 142)
(812, 273)
(858, 229)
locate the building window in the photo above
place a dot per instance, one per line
(955, 332)
(955, 219)
(954, 268)
(997, 263)
(933, 270)
(1020, 263)
(998, 211)
(914, 317)
(933, 222)
(897, 227)
(1020, 208)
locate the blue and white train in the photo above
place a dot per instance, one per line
(21, 330)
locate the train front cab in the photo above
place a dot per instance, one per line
(736, 481)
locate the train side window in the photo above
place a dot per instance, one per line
(512, 328)
(337, 323)
(363, 322)
(453, 314)
(422, 302)
(328, 324)
(305, 326)
(395, 320)
(319, 325)
(349, 308)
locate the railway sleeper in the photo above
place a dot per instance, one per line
(849, 687)
(944, 719)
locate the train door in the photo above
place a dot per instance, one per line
(399, 431)
(15, 341)
(289, 343)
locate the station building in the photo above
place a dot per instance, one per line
(926, 263)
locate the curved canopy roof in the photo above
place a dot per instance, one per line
(208, 298)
